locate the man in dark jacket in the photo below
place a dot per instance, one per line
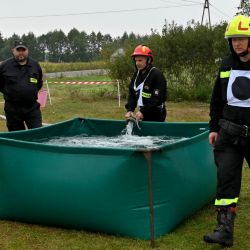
(147, 89)
(230, 127)
(20, 81)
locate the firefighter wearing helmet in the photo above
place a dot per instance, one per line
(230, 127)
(147, 89)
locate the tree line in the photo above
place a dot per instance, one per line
(76, 46)
(189, 56)
(56, 46)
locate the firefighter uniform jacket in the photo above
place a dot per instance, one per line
(20, 83)
(148, 90)
(231, 94)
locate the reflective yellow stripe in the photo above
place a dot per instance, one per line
(225, 202)
(146, 95)
(33, 80)
(225, 74)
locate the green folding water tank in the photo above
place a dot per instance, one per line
(141, 193)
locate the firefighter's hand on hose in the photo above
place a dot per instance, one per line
(129, 114)
(213, 136)
(139, 116)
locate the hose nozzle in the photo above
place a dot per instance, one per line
(132, 119)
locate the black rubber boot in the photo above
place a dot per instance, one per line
(223, 234)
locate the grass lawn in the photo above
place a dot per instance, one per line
(78, 101)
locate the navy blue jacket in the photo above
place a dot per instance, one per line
(20, 83)
(155, 89)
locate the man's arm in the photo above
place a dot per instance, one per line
(40, 77)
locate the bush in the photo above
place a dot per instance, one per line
(187, 56)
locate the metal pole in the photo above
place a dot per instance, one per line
(209, 15)
(206, 6)
(203, 14)
(50, 102)
(119, 94)
(148, 156)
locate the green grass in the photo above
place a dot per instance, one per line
(187, 236)
(62, 67)
(81, 78)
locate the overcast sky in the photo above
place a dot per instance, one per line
(112, 17)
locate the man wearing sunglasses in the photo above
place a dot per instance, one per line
(20, 80)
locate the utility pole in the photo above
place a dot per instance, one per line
(206, 6)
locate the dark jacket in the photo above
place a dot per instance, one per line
(219, 107)
(20, 83)
(155, 91)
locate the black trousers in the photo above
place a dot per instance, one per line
(156, 115)
(17, 115)
(229, 154)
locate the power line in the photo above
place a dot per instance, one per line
(187, 1)
(223, 13)
(98, 12)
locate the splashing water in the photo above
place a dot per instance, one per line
(125, 140)
(122, 141)
(131, 123)
(128, 129)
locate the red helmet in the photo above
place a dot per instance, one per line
(142, 50)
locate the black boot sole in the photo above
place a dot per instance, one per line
(228, 243)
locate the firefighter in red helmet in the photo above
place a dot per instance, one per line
(147, 89)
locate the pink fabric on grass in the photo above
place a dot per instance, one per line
(42, 98)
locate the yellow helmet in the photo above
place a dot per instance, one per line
(238, 27)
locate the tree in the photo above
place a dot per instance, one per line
(1, 47)
(78, 45)
(8, 45)
(244, 8)
(121, 67)
(94, 41)
(57, 44)
(32, 43)
(43, 46)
